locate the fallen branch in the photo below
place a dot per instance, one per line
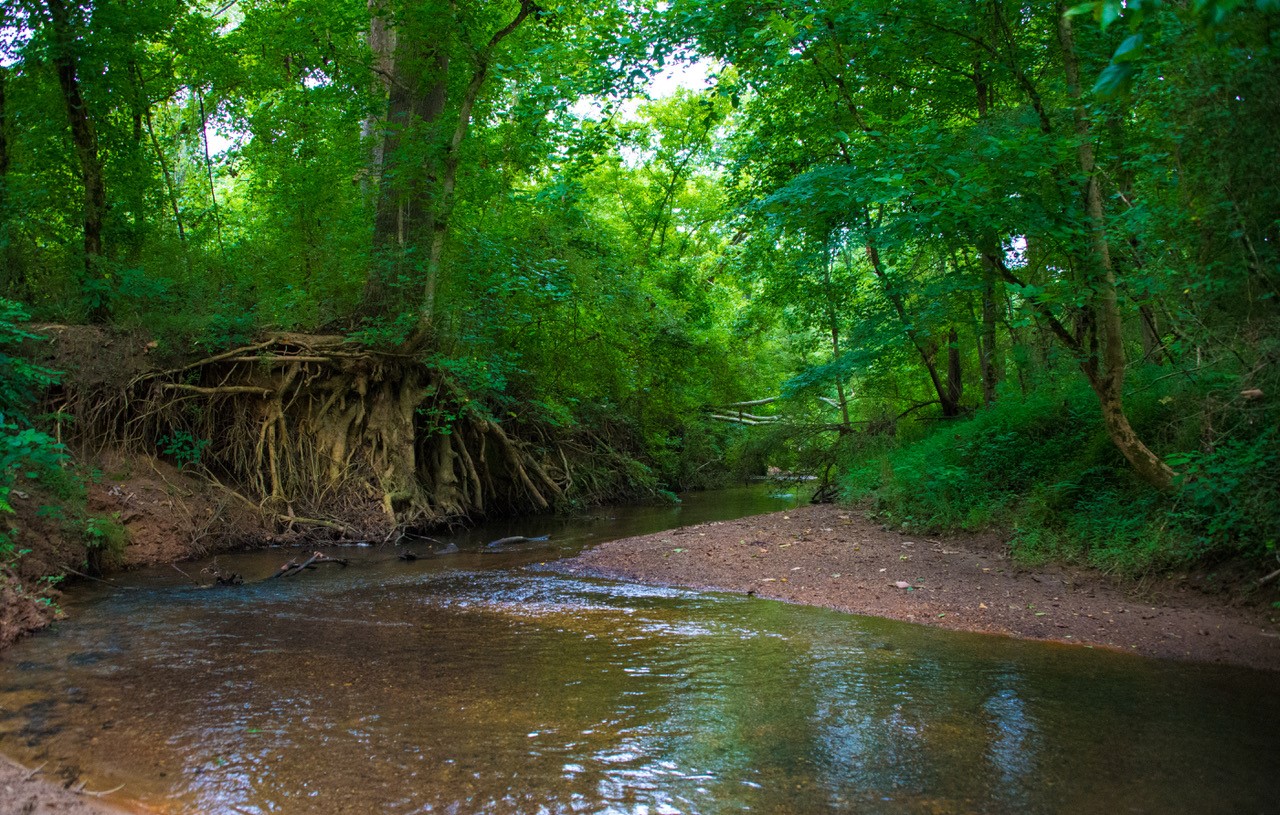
(1269, 578)
(500, 542)
(752, 422)
(113, 583)
(187, 576)
(99, 794)
(291, 568)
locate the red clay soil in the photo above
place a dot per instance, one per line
(834, 557)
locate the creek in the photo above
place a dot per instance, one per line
(480, 682)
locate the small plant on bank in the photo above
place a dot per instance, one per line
(183, 447)
(104, 541)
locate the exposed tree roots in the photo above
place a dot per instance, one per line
(320, 431)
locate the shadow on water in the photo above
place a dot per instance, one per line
(471, 684)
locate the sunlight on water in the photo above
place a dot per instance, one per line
(475, 684)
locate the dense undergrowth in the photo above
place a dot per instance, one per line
(1042, 466)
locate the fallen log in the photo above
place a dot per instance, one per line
(514, 539)
(318, 558)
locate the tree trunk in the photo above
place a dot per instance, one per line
(990, 364)
(10, 274)
(449, 175)
(950, 406)
(85, 139)
(417, 90)
(1106, 372)
(833, 321)
(381, 40)
(955, 376)
(992, 358)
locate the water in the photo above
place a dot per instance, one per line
(482, 683)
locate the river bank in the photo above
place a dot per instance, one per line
(832, 556)
(30, 793)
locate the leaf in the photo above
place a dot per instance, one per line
(1083, 8)
(1129, 50)
(1113, 81)
(1109, 12)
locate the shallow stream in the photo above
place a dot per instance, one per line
(483, 683)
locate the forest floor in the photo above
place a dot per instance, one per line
(832, 556)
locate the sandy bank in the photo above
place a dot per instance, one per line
(831, 556)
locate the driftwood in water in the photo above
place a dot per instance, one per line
(410, 555)
(514, 539)
(318, 558)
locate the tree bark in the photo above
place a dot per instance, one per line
(449, 176)
(955, 376)
(992, 357)
(416, 79)
(85, 138)
(1105, 368)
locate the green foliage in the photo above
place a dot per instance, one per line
(26, 453)
(876, 217)
(1229, 497)
(182, 447)
(1043, 467)
(104, 539)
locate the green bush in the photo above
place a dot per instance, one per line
(1043, 467)
(25, 451)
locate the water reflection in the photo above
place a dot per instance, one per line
(457, 686)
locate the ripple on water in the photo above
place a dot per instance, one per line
(455, 689)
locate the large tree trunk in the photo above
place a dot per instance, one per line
(417, 91)
(415, 201)
(452, 158)
(381, 40)
(1106, 370)
(85, 139)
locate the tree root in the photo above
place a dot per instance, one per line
(321, 432)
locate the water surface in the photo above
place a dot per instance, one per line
(479, 683)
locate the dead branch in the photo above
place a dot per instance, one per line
(752, 422)
(98, 794)
(187, 576)
(261, 358)
(317, 558)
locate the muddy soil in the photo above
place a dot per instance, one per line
(164, 515)
(23, 792)
(834, 557)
